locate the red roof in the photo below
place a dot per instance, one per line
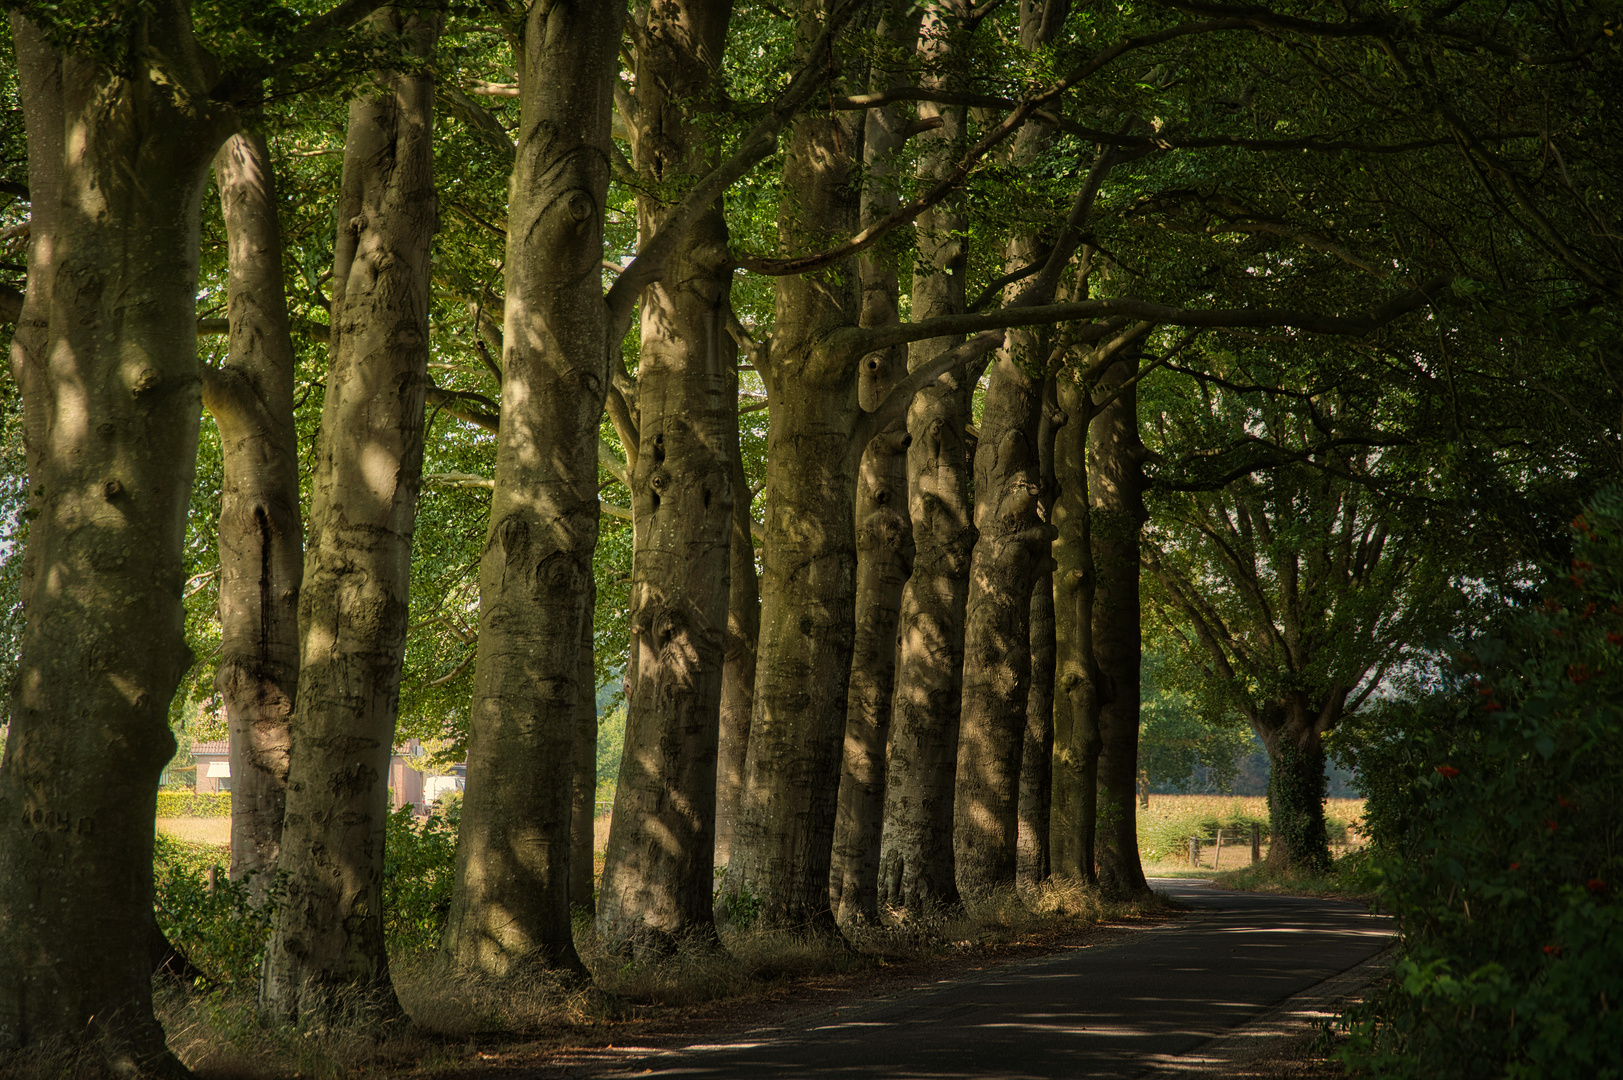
(213, 746)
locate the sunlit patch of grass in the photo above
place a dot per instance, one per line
(1348, 879)
(211, 831)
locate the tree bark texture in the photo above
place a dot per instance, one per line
(1036, 759)
(785, 829)
(1013, 543)
(1297, 838)
(261, 529)
(658, 877)
(916, 868)
(1116, 489)
(738, 667)
(583, 812)
(327, 944)
(1076, 675)
(105, 353)
(1013, 546)
(510, 906)
(884, 535)
(884, 550)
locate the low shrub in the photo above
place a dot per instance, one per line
(205, 915)
(419, 865)
(1497, 821)
(175, 804)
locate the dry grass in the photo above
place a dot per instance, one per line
(457, 1017)
(1165, 826)
(214, 831)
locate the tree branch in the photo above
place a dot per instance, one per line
(760, 142)
(305, 42)
(959, 172)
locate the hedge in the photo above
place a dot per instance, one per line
(172, 804)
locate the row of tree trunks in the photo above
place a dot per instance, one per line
(1032, 849)
(1075, 756)
(1012, 548)
(261, 528)
(738, 668)
(583, 808)
(784, 837)
(916, 845)
(1116, 492)
(510, 908)
(884, 536)
(657, 879)
(105, 353)
(328, 937)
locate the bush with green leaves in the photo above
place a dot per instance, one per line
(178, 804)
(206, 916)
(1497, 815)
(419, 864)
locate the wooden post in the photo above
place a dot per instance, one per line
(1256, 843)
(1194, 851)
(1217, 853)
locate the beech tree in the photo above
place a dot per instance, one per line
(110, 383)
(328, 936)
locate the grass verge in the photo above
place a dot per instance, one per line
(1348, 879)
(462, 1025)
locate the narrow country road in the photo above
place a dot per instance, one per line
(1116, 1010)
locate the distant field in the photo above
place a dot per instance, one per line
(198, 830)
(1165, 826)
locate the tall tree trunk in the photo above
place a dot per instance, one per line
(785, 832)
(884, 540)
(916, 847)
(658, 875)
(738, 667)
(1014, 542)
(327, 944)
(1116, 487)
(884, 550)
(261, 530)
(583, 812)
(510, 907)
(1298, 840)
(1032, 862)
(105, 353)
(1076, 676)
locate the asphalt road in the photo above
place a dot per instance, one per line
(1106, 1011)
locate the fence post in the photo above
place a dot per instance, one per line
(1194, 851)
(1256, 842)
(1217, 853)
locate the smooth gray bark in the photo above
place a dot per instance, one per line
(261, 528)
(1076, 675)
(1116, 491)
(327, 950)
(783, 842)
(916, 848)
(1032, 863)
(658, 875)
(583, 812)
(105, 353)
(738, 667)
(884, 534)
(510, 907)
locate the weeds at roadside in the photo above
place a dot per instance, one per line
(1348, 879)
